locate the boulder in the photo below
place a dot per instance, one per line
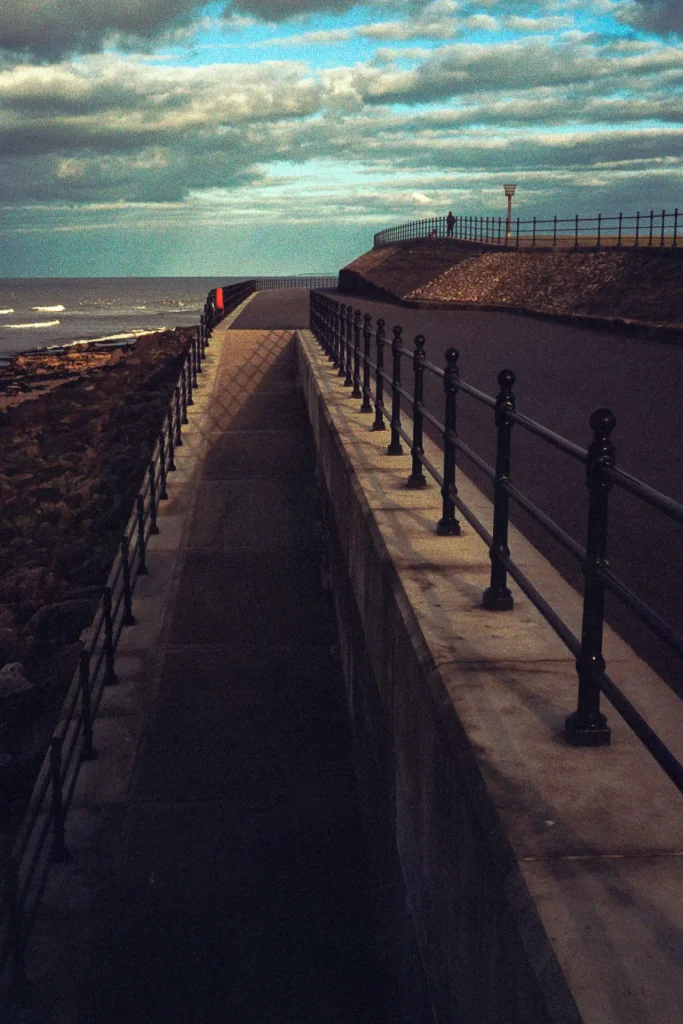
(62, 622)
(8, 644)
(15, 688)
(38, 584)
(55, 672)
(6, 617)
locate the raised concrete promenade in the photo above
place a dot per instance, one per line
(218, 870)
(544, 880)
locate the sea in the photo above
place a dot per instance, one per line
(49, 312)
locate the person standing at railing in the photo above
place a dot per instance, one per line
(450, 224)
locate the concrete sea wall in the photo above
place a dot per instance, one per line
(543, 881)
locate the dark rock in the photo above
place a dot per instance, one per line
(45, 494)
(37, 584)
(6, 617)
(62, 622)
(56, 672)
(15, 688)
(8, 644)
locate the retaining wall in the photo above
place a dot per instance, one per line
(543, 881)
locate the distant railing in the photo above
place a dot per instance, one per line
(42, 837)
(264, 284)
(638, 230)
(347, 336)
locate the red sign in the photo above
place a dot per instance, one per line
(219, 298)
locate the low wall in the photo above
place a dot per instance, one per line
(542, 880)
(626, 288)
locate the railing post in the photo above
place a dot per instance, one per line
(597, 244)
(533, 235)
(193, 359)
(163, 493)
(366, 405)
(379, 380)
(356, 393)
(652, 224)
(637, 230)
(199, 353)
(335, 335)
(395, 447)
(88, 752)
(576, 231)
(178, 419)
(448, 525)
(674, 241)
(342, 342)
(497, 597)
(110, 675)
(60, 853)
(517, 240)
(417, 480)
(128, 617)
(151, 477)
(348, 357)
(329, 321)
(19, 982)
(554, 230)
(183, 393)
(188, 375)
(587, 727)
(661, 240)
(142, 546)
(619, 235)
(171, 453)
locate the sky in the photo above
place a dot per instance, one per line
(170, 137)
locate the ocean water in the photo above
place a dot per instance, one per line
(49, 311)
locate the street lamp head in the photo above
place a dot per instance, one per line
(509, 189)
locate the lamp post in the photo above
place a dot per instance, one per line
(509, 192)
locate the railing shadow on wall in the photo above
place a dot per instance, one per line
(639, 230)
(348, 338)
(41, 840)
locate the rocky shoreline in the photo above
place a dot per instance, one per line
(77, 429)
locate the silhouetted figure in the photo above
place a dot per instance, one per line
(450, 224)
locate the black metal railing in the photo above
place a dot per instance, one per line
(264, 284)
(348, 337)
(656, 228)
(42, 838)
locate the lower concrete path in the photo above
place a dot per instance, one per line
(277, 309)
(218, 869)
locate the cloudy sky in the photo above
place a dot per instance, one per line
(159, 137)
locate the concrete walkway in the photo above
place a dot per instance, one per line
(218, 869)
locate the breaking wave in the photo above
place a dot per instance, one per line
(20, 327)
(136, 333)
(3, 312)
(48, 309)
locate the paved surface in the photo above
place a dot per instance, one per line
(277, 309)
(222, 876)
(563, 374)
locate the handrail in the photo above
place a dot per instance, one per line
(264, 284)
(639, 230)
(32, 855)
(347, 335)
